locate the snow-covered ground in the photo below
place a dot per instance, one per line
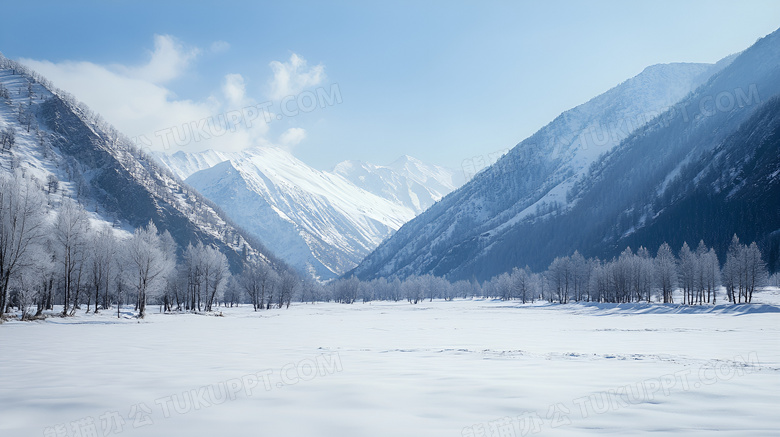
(462, 368)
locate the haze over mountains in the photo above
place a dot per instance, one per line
(688, 173)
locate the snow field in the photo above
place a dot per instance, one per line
(459, 368)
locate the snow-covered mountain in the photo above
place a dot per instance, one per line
(320, 222)
(184, 164)
(476, 231)
(72, 152)
(407, 181)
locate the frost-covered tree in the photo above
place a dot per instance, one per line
(412, 289)
(52, 184)
(346, 289)
(756, 271)
(744, 272)
(249, 282)
(580, 276)
(216, 273)
(707, 275)
(7, 139)
(192, 263)
(288, 286)
(102, 258)
(560, 277)
(70, 239)
(47, 272)
(687, 270)
(644, 272)
(173, 290)
(665, 272)
(774, 280)
(521, 283)
(503, 286)
(731, 271)
(148, 264)
(207, 273)
(22, 229)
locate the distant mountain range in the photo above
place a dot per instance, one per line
(322, 223)
(407, 181)
(678, 153)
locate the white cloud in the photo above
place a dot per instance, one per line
(136, 107)
(133, 98)
(137, 100)
(168, 60)
(234, 89)
(292, 77)
(292, 137)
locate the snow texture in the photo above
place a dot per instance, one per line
(390, 369)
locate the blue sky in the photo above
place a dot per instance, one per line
(441, 81)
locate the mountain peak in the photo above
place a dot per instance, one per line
(404, 160)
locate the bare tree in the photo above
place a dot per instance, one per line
(560, 277)
(580, 276)
(47, 272)
(22, 229)
(346, 290)
(731, 271)
(645, 271)
(774, 280)
(687, 273)
(288, 285)
(521, 283)
(207, 273)
(102, 258)
(7, 139)
(148, 264)
(52, 184)
(70, 242)
(216, 272)
(193, 265)
(172, 289)
(249, 282)
(266, 278)
(756, 271)
(665, 272)
(411, 289)
(707, 274)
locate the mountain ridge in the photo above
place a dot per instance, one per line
(320, 222)
(60, 138)
(530, 183)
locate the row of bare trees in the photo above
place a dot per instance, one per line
(65, 259)
(61, 258)
(692, 276)
(56, 256)
(636, 277)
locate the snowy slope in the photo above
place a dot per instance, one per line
(532, 181)
(97, 165)
(317, 221)
(407, 181)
